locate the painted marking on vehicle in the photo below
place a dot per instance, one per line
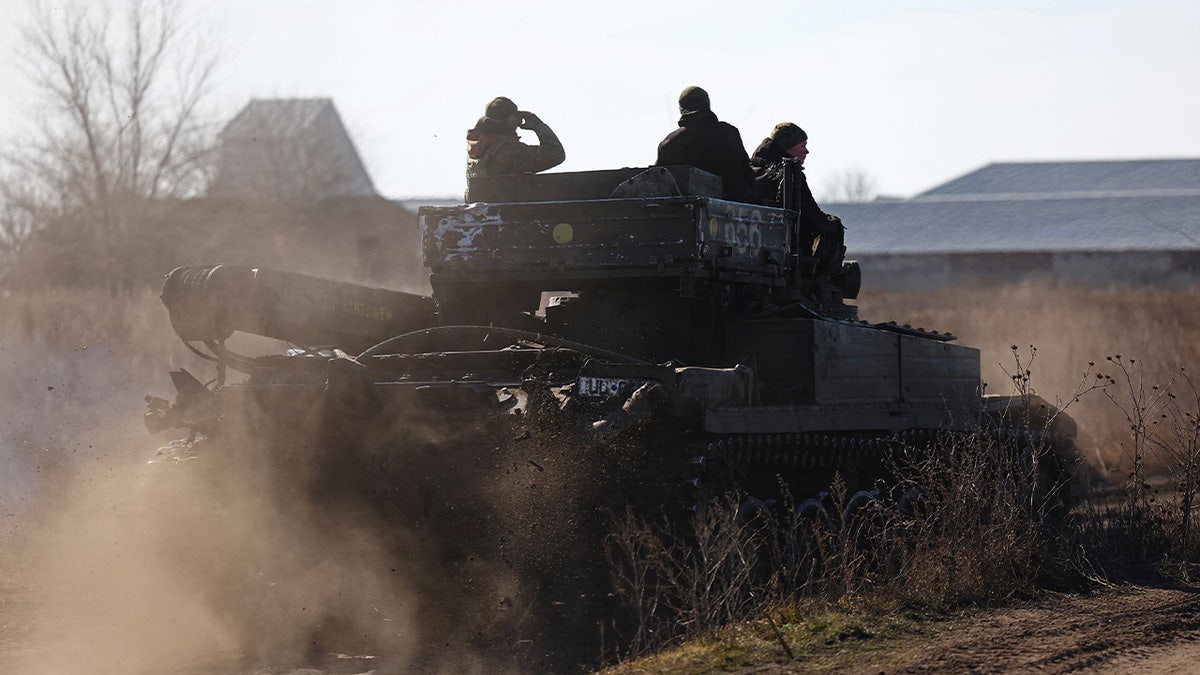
(745, 237)
(603, 387)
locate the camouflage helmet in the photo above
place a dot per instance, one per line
(787, 135)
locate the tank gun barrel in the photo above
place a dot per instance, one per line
(211, 302)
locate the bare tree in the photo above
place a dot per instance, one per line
(120, 125)
(19, 216)
(851, 185)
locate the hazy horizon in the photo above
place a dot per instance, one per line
(913, 94)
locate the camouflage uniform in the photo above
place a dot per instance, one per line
(498, 154)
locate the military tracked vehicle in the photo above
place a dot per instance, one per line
(623, 302)
(594, 342)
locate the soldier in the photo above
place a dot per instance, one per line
(788, 144)
(709, 144)
(493, 148)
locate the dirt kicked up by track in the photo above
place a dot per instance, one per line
(242, 558)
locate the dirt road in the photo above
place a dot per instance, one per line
(1124, 630)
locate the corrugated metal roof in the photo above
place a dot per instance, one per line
(1126, 223)
(280, 117)
(1058, 206)
(1122, 176)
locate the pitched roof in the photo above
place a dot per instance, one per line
(288, 148)
(280, 117)
(1036, 180)
(1048, 206)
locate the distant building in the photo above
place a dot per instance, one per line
(1097, 222)
(289, 149)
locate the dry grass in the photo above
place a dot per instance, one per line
(1117, 357)
(966, 520)
(805, 638)
(1070, 326)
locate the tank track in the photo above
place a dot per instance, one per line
(806, 462)
(799, 450)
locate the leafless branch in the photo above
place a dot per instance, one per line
(122, 93)
(851, 185)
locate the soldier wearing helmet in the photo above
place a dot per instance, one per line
(494, 149)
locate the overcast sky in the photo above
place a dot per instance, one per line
(913, 92)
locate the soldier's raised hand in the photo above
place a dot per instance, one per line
(530, 120)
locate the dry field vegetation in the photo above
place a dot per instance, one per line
(982, 532)
(1116, 359)
(1154, 329)
(69, 318)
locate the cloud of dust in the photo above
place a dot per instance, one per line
(1070, 327)
(181, 567)
(482, 554)
(237, 559)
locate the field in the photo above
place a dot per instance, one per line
(94, 579)
(1071, 329)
